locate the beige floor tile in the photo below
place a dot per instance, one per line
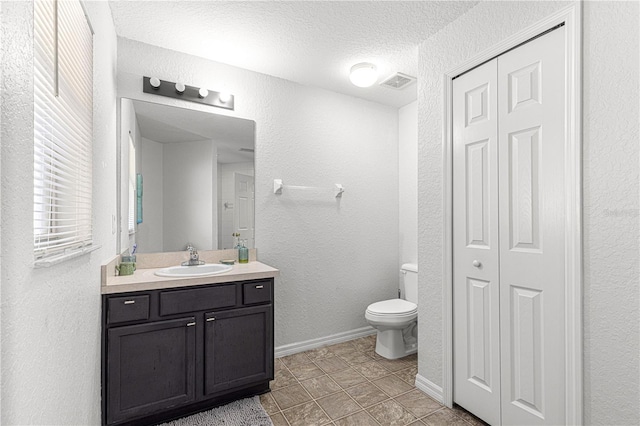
(408, 375)
(305, 371)
(308, 414)
(371, 370)
(278, 365)
(331, 364)
(290, 396)
(367, 379)
(320, 386)
(390, 413)
(283, 378)
(413, 359)
(443, 417)
(355, 357)
(342, 348)
(361, 418)
(365, 344)
(268, 403)
(392, 385)
(322, 352)
(367, 394)
(393, 364)
(338, 405)
(467, 416)
(278, 420)
(347, 377)
(295, 359)
(373, 354)
(418, 403)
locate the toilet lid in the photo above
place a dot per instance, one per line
(393, 307)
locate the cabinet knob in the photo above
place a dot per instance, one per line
(129, 302)
(259, 286)
(477, 263)
(211, 319)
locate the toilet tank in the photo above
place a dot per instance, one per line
(410, 277)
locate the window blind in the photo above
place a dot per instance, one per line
(63, 128)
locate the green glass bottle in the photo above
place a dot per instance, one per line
(243, 253)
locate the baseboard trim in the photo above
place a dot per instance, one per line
(430, 388)
(294, 348)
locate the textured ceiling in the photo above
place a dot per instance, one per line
(310, 42)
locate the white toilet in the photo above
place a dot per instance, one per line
(396, 319)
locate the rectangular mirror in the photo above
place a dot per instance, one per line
(186, 176)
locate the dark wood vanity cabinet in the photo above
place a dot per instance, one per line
(170, 353)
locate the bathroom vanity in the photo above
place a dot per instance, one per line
(172, 347)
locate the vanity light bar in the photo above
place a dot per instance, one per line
(155, 86)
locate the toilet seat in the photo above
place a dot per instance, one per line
(393, 308)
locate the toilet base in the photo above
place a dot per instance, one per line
(396, 343)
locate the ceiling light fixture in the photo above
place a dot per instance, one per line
(363, 74)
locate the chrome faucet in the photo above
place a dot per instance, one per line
(194, 257)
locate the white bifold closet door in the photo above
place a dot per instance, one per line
(509, 235)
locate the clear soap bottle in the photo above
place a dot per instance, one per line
(243, 253)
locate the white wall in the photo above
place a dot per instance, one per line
(51, 317)
(611, 213)
(190, 191)
(150, 232)
(408, 182)
(335, 256)
(611, 190)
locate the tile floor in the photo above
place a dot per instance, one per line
(349, 384)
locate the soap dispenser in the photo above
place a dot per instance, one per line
(243, 252)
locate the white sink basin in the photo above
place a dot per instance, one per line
(194, 271)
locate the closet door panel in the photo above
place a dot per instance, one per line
(531, 88)
(475, 208)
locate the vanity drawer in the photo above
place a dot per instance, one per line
(197, 299)
(132, 308)
(256, 292)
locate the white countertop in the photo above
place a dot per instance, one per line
(145, 279)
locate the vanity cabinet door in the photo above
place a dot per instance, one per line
(238, 348)
(151, 367)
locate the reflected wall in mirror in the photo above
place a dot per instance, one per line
(194, 174)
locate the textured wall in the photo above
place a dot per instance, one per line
(611, 154)
(408, 182)
(610, 190)
(335, 256)
(51, 317)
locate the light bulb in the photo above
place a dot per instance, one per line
(203, 93)
(180, 88)
(363, 74)
(155, 82)
(224, 97)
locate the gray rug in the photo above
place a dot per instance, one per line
(244, 412)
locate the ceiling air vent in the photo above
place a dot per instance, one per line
(398, 81)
